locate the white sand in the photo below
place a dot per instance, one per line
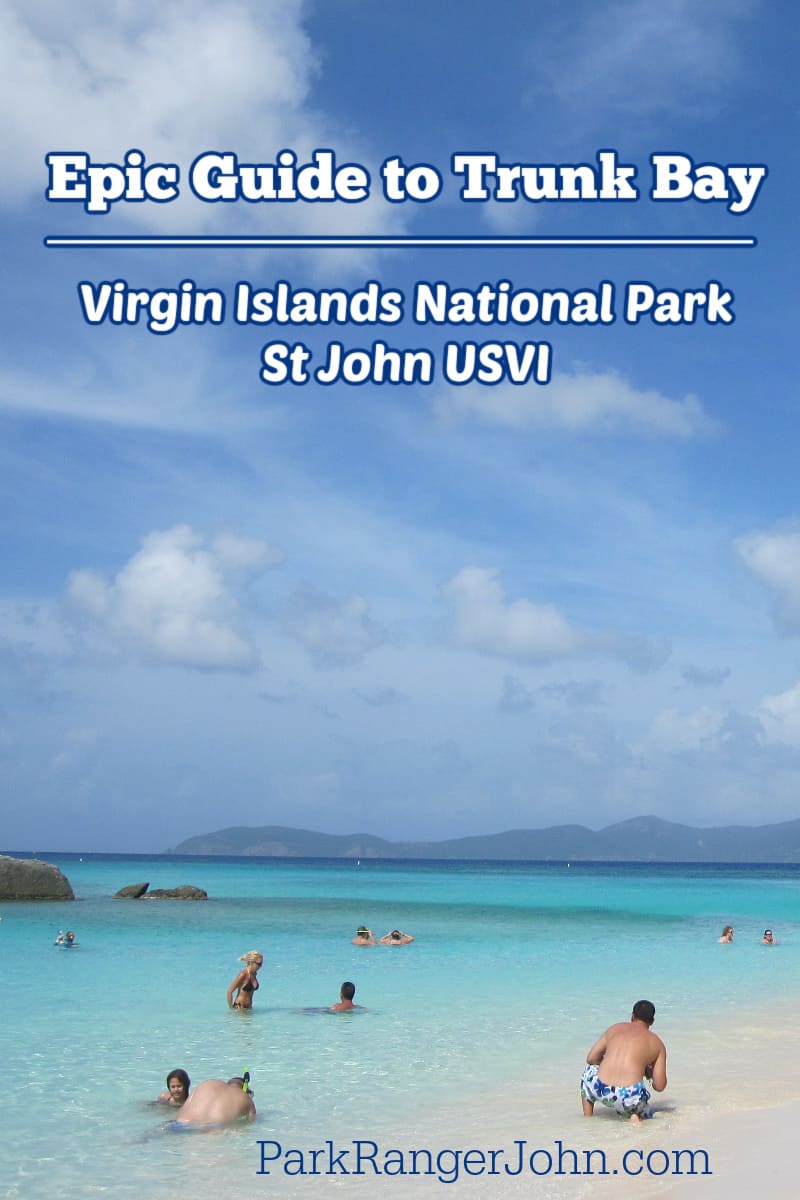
(734, 1093)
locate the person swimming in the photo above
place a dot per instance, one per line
(364, 937)
(396, 938)
(240, 993)
(178, 1084)
(727, 934)
(346, 994)
(215, 1103)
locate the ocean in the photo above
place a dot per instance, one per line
(474, 1034)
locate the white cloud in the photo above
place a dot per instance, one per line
(675, 731)
(579, 403)
(171, 386)
(780, 717)
(774, 560)
(334, 632)
(486, 621)
(179, 78)
(172, 601)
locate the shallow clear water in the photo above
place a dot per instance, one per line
(514, 971)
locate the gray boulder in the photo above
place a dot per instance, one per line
(184, 892)
(132, 892)
(32, 879)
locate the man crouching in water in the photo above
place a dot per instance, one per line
(629, 1053)
(214, 1103)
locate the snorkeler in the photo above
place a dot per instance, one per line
(396, 938)
(214, 1103)
(240, 993)
(364, 937)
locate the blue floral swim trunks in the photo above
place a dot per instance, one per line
(627, 1101)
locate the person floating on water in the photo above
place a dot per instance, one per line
(240, 993)
(628, 1054)
(346, 993)
(178, 1084)
(214, 1102)
(364, 937)
(727, 934)
(396, 938)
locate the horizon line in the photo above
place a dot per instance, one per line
(343, 241)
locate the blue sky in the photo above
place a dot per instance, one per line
(418, 611)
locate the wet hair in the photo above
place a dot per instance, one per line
(238, 1080)
(179, 1073)
(643, 1010)
(767, 931)
(726, 930)
(348, 991)
(362, 931)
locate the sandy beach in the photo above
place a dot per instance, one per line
(723, 1127)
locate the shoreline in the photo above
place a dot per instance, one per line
(733, 1094)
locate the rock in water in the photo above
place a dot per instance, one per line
(185, 892)
(132, 892)
(32, 879)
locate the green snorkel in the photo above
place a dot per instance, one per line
(246, 1081)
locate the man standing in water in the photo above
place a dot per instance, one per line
(628, 1053)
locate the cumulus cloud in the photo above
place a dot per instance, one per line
(583, 402)
(486, 621)
(334, 632)
(174, 601)
(780, 717)
(675, 731)
(179, 78)
(774, 560)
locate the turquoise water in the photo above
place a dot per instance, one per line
(514, 971)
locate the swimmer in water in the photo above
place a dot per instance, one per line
(240, 993)
(364, 937)
(177, 1093)
(348, 990)
(214, 1103)
(396, 938)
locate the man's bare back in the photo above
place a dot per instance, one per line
(214, 1102)
(620, 1061)
(628, 1051)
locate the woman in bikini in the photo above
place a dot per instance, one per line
(240, 993)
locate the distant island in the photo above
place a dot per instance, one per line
(639, 839)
